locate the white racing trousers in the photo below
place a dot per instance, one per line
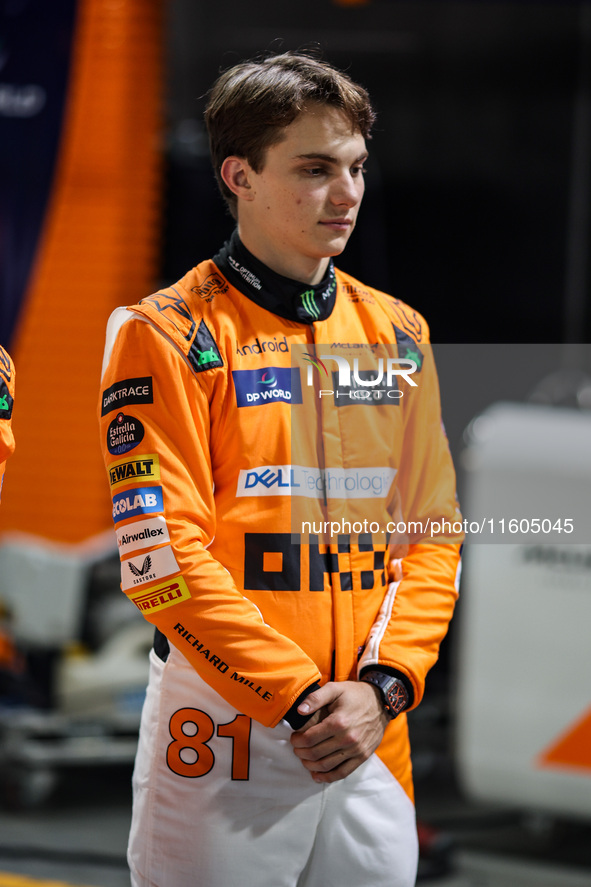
(220, 801)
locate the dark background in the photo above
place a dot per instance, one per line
(477, 191)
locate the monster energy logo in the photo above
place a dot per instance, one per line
(309, 304)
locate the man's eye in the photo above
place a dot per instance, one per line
(359, 170)
(314, 171)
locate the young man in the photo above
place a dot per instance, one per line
(273, 750)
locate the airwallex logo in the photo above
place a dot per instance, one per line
(351, 385)
(267, 385)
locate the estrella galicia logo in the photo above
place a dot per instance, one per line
(121, 394)
(137, 501)
(124, 433)
(6, 401)
(268, 384)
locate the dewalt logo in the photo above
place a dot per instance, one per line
(130, 470)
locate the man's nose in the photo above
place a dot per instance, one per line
(347, 190)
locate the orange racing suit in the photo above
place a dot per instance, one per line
(198, 394)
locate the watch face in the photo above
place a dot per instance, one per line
(397, 696)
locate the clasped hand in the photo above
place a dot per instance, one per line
(346, 727)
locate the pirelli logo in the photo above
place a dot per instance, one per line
(161, 596)
(130, 470)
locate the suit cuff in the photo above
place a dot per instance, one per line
(293, 717)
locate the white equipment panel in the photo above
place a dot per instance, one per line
(524, 652)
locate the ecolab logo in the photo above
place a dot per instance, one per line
(139, 500)
(355, 385)
(267, 385)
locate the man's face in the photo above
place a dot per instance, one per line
(304, 202)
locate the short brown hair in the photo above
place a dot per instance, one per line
(252, 102)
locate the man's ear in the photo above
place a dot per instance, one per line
(236, 172)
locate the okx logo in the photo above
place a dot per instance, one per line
(267, 385)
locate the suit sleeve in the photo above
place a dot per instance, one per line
(179, 586)
(419, 602)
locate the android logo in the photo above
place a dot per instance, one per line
(206, 356)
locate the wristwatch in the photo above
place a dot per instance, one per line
(394, 693)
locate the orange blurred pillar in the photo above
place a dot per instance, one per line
(98, 250)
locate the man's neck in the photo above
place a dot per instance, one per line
(292, 299)
(302, 268)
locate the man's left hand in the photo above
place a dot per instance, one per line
(347, 726)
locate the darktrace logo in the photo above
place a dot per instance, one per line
(267, 385)
(128, 391)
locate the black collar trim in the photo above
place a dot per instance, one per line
(288, 298)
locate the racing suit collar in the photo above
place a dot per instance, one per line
(291, 299)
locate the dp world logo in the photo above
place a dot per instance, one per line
(267, 385)
(269, 379)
